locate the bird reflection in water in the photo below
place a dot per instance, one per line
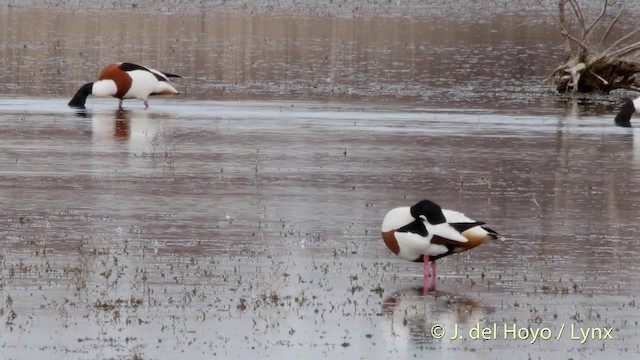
(122, 124)
(135, 126)
(136, 132)
(410, 315)
(109, 126)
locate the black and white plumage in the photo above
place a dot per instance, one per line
(628, 109)
(425, 232)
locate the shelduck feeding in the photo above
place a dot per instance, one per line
(629, 107)
(425, 232)
(126, 81)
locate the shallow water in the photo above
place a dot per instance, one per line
(242, 218)
(239, 227)
(430, 54)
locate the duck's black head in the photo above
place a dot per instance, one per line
(81, 96)
(624, 116)
(430, 210)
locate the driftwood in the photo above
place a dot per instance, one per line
(612, 67)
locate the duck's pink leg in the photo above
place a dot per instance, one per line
(119, 104)
(146, 104)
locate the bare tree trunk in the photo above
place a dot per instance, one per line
(613, 68)
(568, 53)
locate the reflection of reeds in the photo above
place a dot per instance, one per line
(261, 216)
(256, 166)
(163, 145)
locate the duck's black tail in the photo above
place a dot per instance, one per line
(80, 97)
(624, 116)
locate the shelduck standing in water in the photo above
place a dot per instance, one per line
(629, 107)
(425, 232)
(126, 81)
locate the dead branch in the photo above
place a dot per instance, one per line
(578, 12)
(608, 31)
(590, 28)
(565, 32)
(599, 77)
(611, 68)
(621, 40)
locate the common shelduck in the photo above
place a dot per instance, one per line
(425, 232)
(126, 81)
(629, 107)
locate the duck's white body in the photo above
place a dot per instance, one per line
(448, 240)
(411, 245)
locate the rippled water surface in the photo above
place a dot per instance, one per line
(241, 219)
